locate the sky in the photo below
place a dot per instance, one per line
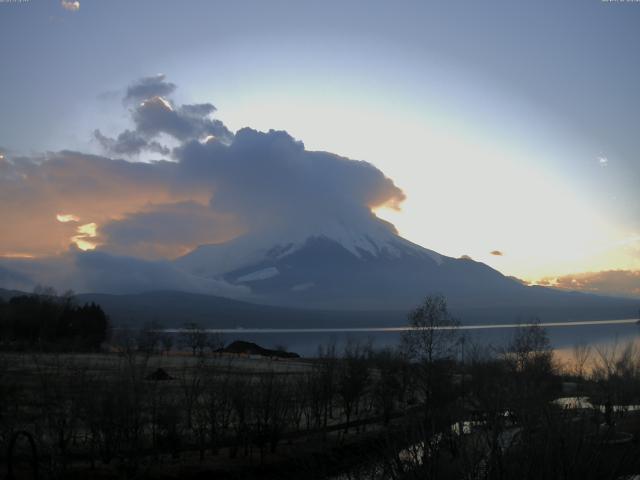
(505, 131)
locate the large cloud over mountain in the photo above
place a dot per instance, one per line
(214, 187)
(268, 178)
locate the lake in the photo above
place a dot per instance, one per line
(305, 341)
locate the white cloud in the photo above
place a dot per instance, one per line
(72, 6)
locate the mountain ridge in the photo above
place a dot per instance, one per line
(355, 275)
(175, 308)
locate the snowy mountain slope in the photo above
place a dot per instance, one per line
(323, 274)
(346, 267)
(368, 266)
(368, 239)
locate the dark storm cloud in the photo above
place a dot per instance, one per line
(154, 115)
(179, 225)
(269, 177)
(129, 143)
(198, 110)
(188, 122)
(148, 87)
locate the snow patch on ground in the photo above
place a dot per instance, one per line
(259, 275)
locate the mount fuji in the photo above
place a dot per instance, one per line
(368, 266)
(331, 274)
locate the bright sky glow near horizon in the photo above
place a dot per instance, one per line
(510, 128)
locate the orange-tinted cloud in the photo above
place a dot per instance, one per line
(212, 193)
(35, 192)
(609, 282)
(497, 253)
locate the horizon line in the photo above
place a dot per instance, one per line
(407, 328)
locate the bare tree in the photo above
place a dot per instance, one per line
(60, 379)
(616, 370)
(193, 336)
(431, 343)
(581, 353)
(149, 336)
(434, 332)
(325, 376)
(268, 411)
(530, 347)
(124, 341)
(353, 377)
(191, 384)
(217, 406)
(240, 393)
(388, 384)
(166, 342)
(214, 342)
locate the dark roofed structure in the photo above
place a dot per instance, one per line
(240, 347)
(159, 374)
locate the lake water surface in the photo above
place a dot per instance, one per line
(305, 341)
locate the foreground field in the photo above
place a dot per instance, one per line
(128, 414)
(412, 412)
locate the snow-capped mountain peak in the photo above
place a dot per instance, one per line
(365, 241)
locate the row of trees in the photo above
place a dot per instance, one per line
(45, 320)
